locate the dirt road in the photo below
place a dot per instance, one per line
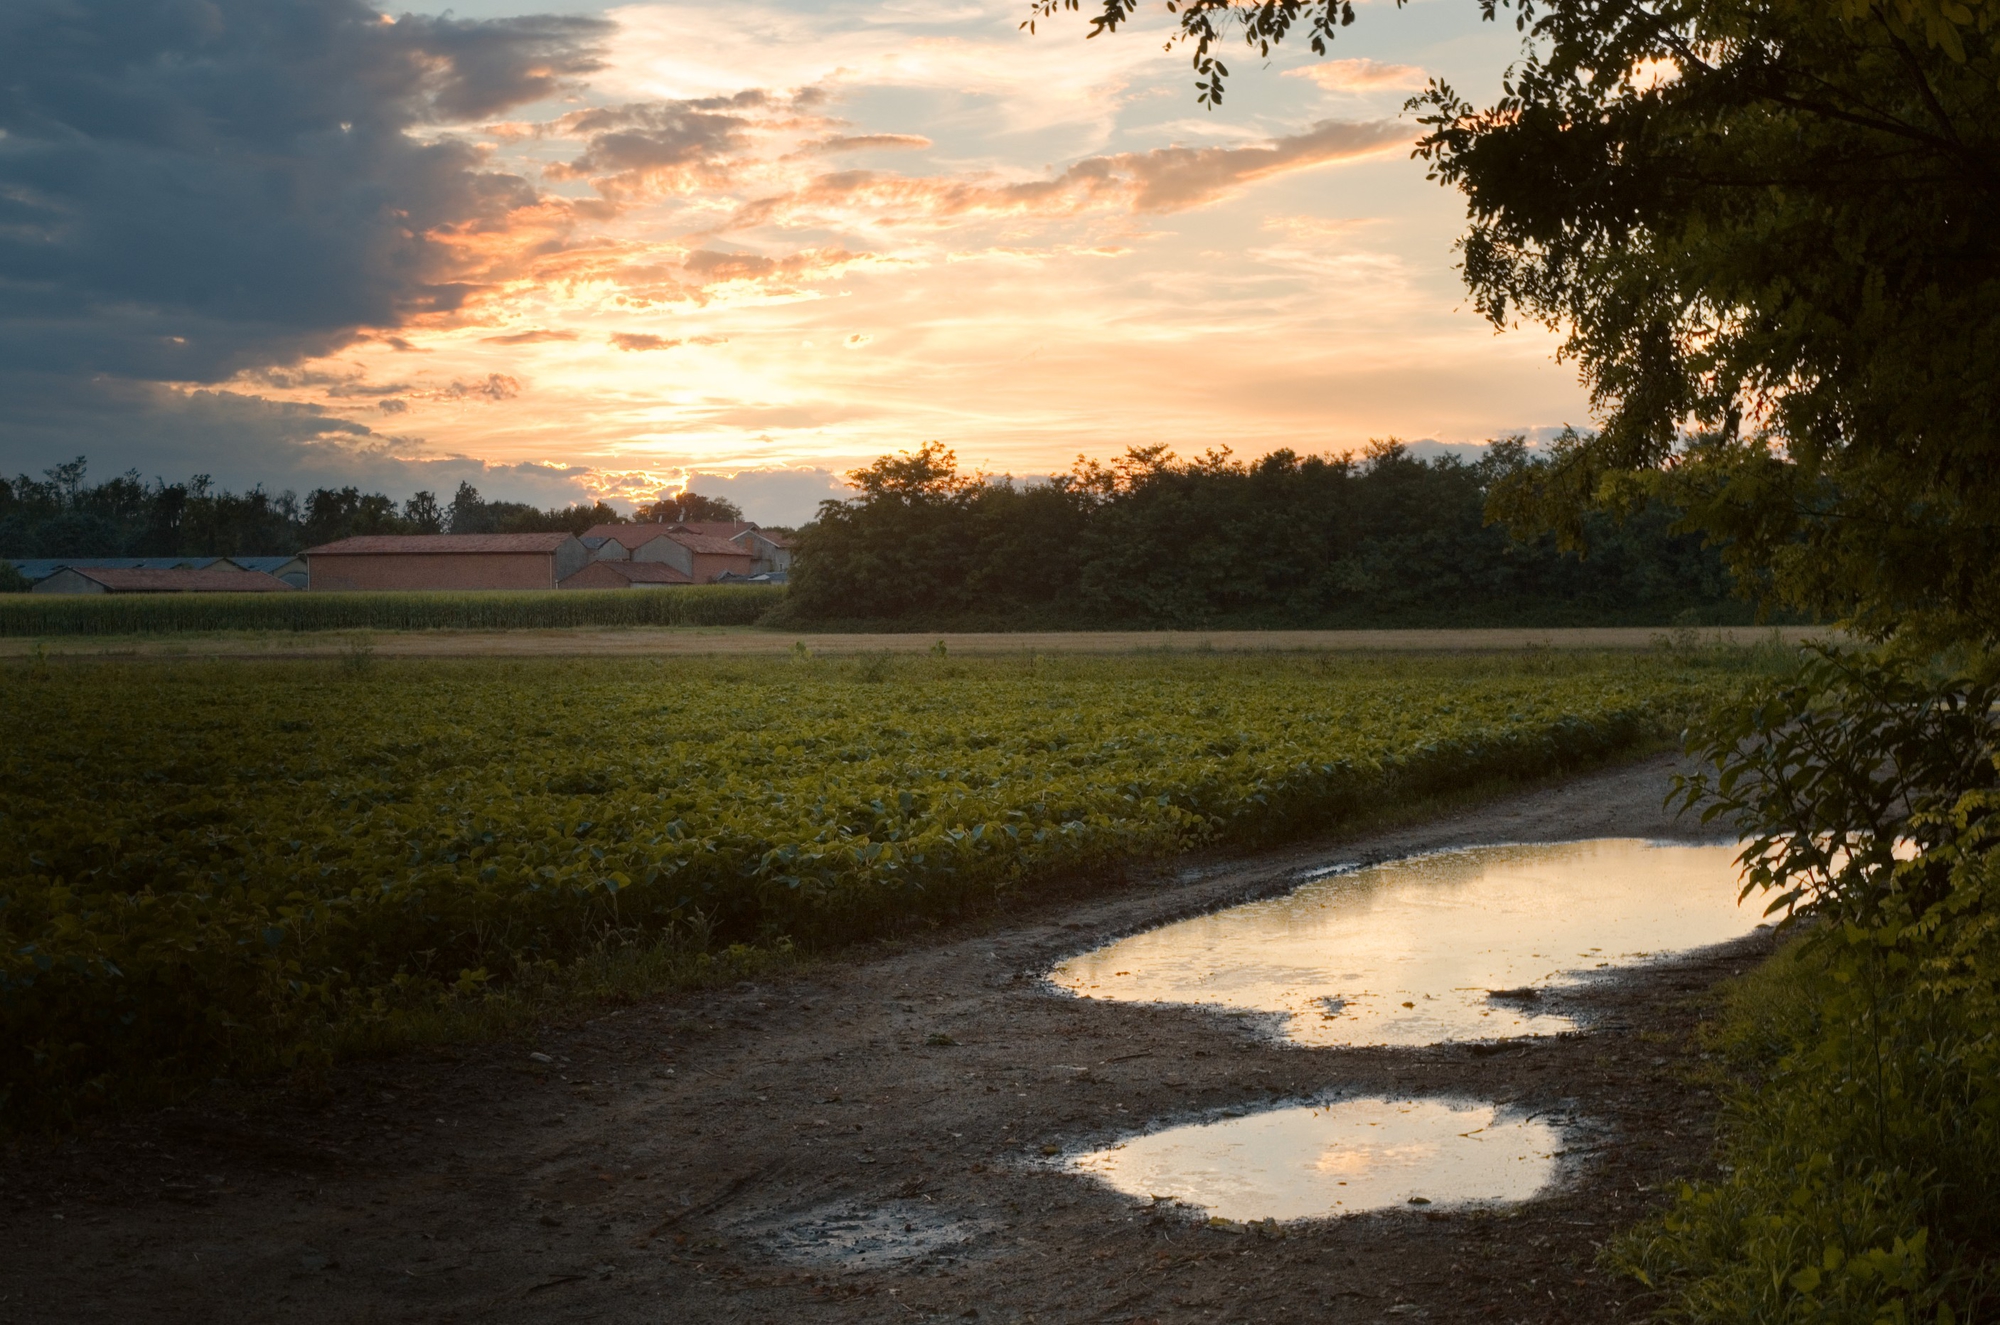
(648, 642)
(708, 1157)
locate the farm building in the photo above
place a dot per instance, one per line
(626, 575)
(715, 528)
(222, 578)
(292, 570)
(445, 561)
(625, 542)
(37, 569)
(703, 558)
(773, 552)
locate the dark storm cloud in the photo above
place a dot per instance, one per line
(192, 187)
(241, 440)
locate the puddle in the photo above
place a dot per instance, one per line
(1336, 1159)
(869, 1236)
(1454, 946)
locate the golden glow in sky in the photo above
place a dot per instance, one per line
(792, 237)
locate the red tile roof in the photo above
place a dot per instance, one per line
(774, 539)
(212, 580)
(716, 528)
(709, 544)
(632, 536)
(628, 535)
(406, 544)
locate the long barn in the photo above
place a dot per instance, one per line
(444, 561)
(222, 578)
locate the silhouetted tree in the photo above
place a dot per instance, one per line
(687, 506)
(1285, 540)
(423, 514)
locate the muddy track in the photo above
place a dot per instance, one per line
(867, 1142)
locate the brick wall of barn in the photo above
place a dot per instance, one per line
(708, 565)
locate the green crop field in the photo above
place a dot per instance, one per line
(230, 866)
(166, 614)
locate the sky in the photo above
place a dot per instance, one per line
(569, 250)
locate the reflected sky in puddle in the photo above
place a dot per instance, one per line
(1336, 1159)
(1413, 952)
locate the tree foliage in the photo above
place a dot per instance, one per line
(470, 513)
(1768, 233)
(1865, 1170)
(1283, 540)
(61, 514)
(689, 505)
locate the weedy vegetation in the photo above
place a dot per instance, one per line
(1863, 1178)
(240, 868)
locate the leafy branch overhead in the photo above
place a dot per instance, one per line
(1203, 23)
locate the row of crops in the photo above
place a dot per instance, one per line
(165, 614)
(217, 866)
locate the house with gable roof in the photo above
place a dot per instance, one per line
(772, 550)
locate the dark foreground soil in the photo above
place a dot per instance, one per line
(811, 1150)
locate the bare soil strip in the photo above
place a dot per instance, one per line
(868, 1142)
(651, 642)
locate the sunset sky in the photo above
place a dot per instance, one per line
(606, 250)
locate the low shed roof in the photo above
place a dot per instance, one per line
(216, 579)
(40, 568)
(408, 544)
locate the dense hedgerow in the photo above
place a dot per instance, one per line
(1863, 1178)
(206, 867)
(162, 614)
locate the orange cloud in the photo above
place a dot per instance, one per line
(1169, 179)
(639, 340)
(713, 267)
(659, 147)
(535, 337)
(866, 142)
(494, 387)
(1361, 75)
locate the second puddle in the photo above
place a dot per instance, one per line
(1453, 946)
(1336, 1159)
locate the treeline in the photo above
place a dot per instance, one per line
(62, 515)
(1286, 540)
